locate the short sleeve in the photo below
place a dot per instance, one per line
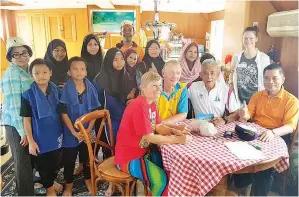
(183, 103)
(291, 113)
(62, 108)
(232, 104)
(143, 125)
(26, 110)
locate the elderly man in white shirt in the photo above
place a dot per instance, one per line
(211, 96)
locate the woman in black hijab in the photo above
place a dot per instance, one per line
(56, 56)
(92, 52)
(152, 59)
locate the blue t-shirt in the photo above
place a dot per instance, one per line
(115, 106)
(77, 106)
(45, 121)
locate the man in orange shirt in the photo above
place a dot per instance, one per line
(273, 108)
(127, 32)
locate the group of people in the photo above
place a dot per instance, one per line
(145, 96)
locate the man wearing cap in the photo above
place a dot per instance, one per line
(15, 81)
(127, 32)
(211, 96)
(273, 108)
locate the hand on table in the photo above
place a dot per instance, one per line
(243, 113)
(183, 139)
(267, 136)
(217, 121)
(181, 130)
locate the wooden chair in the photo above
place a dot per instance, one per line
(285, 173)
(104, 170)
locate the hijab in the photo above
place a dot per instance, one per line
(59, 69)
(109, 78)
(94, 62)
(130, 72)
(158, 62)
(187, 74)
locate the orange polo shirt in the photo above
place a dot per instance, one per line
(274, 112)
(138, 49)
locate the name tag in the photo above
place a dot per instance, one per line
(242, 65)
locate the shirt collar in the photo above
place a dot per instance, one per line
(279, 95)
(215, 87)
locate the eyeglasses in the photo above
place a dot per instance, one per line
(18, 55)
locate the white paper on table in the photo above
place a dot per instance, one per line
(244, 151)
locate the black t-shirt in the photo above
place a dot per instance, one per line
(247, 78)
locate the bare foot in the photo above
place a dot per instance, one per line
(58, 187)
(68, 190)
(88, 185)
(109, 191)
(78, 170)
(51, 191)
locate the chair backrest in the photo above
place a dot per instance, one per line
(294, 139)
(106, 121)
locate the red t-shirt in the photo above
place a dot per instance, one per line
(139, 119)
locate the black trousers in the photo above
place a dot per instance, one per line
(47, 165)
(69, 157)
(262, 180)
(22, 163)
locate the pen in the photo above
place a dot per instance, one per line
(255, 146)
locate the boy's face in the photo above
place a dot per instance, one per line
(153, 90)
(77, 70)
(41, 74)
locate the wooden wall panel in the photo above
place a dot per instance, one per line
(289, 62)
(192, 25)
(259, 12)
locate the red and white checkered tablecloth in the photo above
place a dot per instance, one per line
(195, 168)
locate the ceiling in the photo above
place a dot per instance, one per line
(193, 6)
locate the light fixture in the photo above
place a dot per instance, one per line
(157, 25)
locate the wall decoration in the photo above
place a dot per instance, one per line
(110, 20)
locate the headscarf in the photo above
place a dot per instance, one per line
(94, 62)
(110, 79)
(148, 60)
(59, 69)
(187, 74)
(130, 73)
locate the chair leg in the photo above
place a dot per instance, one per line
(127, 189)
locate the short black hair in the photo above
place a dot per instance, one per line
(274, 66)
(206, 56)
(76, 59)
(38, 61)
(254, 29)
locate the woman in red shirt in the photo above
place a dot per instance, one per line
(140, 127)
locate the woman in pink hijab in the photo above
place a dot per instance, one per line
(190, 63)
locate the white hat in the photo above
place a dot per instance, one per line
(16, 42)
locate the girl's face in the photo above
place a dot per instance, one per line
(154, 50)
(59, 53)
(20, 56)
(192, 54)
(118, 61)
(132, 59)
(93, 47)
(249, 39)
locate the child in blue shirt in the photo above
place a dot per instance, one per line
(78, 97)
(42, 123)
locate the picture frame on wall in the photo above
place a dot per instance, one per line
(110, 20)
